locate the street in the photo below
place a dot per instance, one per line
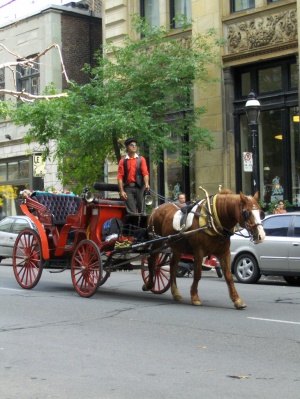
(125, 343)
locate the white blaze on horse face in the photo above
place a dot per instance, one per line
(261, 231)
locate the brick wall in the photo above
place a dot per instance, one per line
(81, 37)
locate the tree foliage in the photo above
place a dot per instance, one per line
(143, 89)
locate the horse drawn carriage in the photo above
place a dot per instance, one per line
(69, 234)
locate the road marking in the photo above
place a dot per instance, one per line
(10, 289)
(276, 321)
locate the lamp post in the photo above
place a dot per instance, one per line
(252, 110)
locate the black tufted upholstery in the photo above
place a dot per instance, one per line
(59, 206)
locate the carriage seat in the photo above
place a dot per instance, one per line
(59, 206)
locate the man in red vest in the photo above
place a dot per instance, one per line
(133, 178)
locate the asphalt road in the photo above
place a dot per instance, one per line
(124, 343)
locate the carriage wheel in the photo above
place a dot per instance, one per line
(27, 258)
(104, 278)
(86, 268)
(161, 272)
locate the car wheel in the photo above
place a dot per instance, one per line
(292, 280)
(246, 269)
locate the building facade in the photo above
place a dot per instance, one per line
(261, 55)
(78, 33)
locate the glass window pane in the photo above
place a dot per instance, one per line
(297, 227)
(20, 225)
(3, 176)
(239, 5)
(151, 12)
(273, 228)
(294, 75)
(246, 84)
(13, 170)
(295, 155)
(270, 80)
(272, 156)
(24, 169)
(181, 7)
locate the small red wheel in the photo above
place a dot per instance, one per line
(86, 268)
(161, 272)
(27, 258)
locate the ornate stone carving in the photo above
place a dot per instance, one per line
(262, 31)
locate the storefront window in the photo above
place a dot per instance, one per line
(294, 75)
(270, 79)
(3, 173)
(295, 155)
(271, 156)
(246, 83)
(13, 170)
(24, 169)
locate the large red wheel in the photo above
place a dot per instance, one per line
(86, 268)
(104, 278)
(161, 272)
(27, 258)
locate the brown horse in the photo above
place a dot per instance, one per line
(213, 223)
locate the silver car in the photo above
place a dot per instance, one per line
(10, 227)
(278, 255)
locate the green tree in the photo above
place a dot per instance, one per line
(143, 89)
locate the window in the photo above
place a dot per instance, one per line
(19, 225)
(28, 79)
(240, 5)
(273, 1)
(2, 82)
(270, 79)
(277, 226)
(3, 172)
(275, 83)
(297, 227)
(178, 7)
(150, 11)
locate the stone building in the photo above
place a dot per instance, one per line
(261, 55)
(77, 30)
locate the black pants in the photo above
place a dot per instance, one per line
(135, 199)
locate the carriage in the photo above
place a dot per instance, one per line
(69, 235)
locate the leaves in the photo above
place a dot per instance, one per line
(142, 89)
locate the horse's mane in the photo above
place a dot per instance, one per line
(225, 191)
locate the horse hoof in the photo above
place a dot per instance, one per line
(240, 304)
(177, 298)
(144, 288)
(197, 303)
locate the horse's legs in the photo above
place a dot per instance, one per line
(173, 270)
(234, 296)
(151, 267)
(197, 276)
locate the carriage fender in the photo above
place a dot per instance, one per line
(41, 231)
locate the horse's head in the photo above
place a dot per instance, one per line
(252, 215)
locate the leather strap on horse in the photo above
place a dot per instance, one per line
(212, 217)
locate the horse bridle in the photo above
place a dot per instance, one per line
(246, 216)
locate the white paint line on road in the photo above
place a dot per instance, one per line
(275, 321)
(11, 289)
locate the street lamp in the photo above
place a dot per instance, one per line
(252, 110)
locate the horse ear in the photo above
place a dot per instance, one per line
(243, 198)
(256, 196)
